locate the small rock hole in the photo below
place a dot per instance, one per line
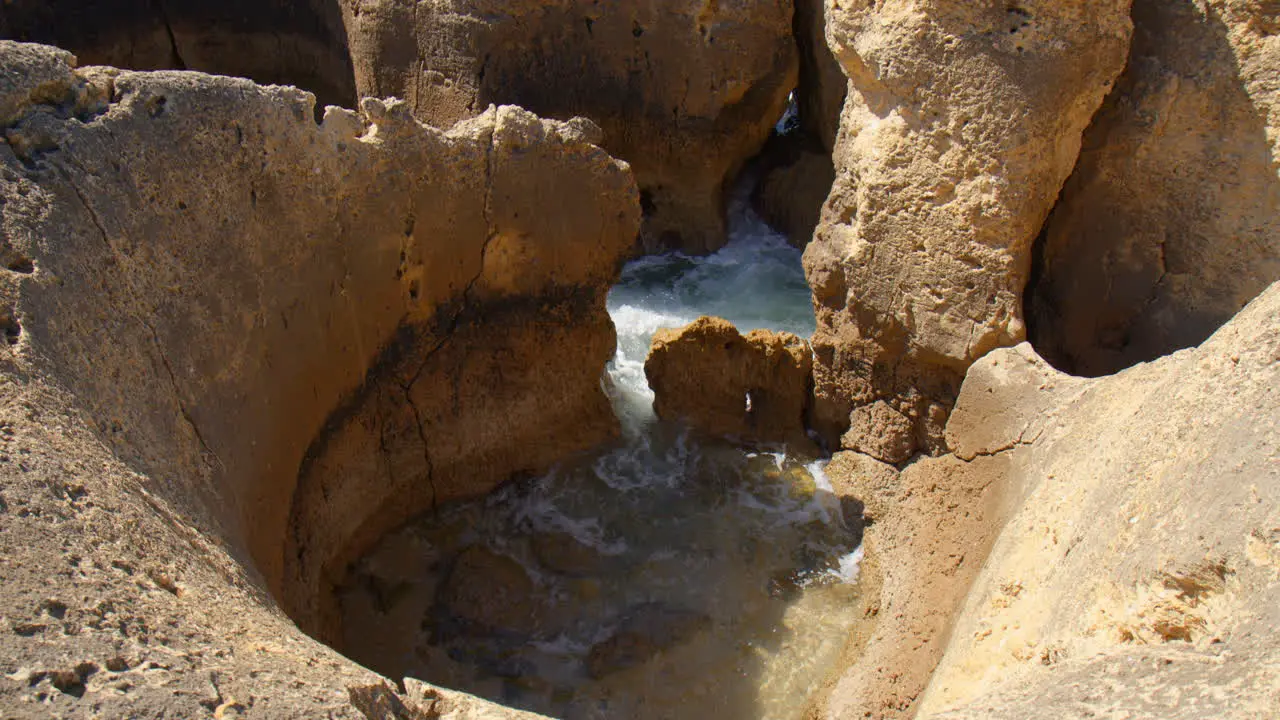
(156, 105)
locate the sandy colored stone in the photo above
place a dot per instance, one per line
(685, 91)
(491, 593)
(284, 42)
(754, 387)
(211, 300)
(1171, 221)
(880, 431)
(1108, 550)
(962, 122)
(1139, 574)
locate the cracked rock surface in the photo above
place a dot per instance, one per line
(1090, 548)
(686, 90)
(211, 301)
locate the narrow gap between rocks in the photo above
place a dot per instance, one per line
(664, 574)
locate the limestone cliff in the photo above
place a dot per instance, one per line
(684, 91)
(1088, 548)
(1171, 221)
(269, 41)
(211, 302)
(962, 122)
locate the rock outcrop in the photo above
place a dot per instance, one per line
(962, 122)
(282, 42)
(1105, 547)
(798, 168)
(794, 184)
(1171, 220)
(215, 307)
(685, 91)
(754, 387)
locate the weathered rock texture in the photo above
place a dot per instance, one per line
(798, 168)
(821, 92)
(1090, 548)
(221, 287)
(685, 91)
(756, 387)
(794, 183)
(1171, 221)
(962, 122)
(270, 41)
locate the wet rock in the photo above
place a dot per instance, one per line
(754, 388)
(881, 432)
(646, 631)
(490, 593)
(566, 555)
(867, 487)
(963, 120)
(801, 484)
(685, 91)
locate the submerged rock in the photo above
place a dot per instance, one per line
(755, 387)
(645, 631)
(566, 555)
(490, 592)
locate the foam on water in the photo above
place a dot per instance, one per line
(754, 542)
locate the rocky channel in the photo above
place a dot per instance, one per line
(397, 359)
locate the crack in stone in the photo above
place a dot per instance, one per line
(155, 336)
(173, 39)
(454, 322)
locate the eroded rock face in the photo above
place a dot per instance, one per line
(821, 92)
(220, 286)
(1171, 221)
(962, 122)
(685, 91)
(798, 169)
(1085, 544)
(754, 387)
(269, 41)
(794, 184)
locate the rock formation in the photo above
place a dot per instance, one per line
(798, 170)
(270, 41)
(755, 388)
(962, 122)
(212, 302)
(684, 91)
(1171, 220)
(794, 183)
(1107, 546)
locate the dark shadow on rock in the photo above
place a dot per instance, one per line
(279, 42)
(1169, 223)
